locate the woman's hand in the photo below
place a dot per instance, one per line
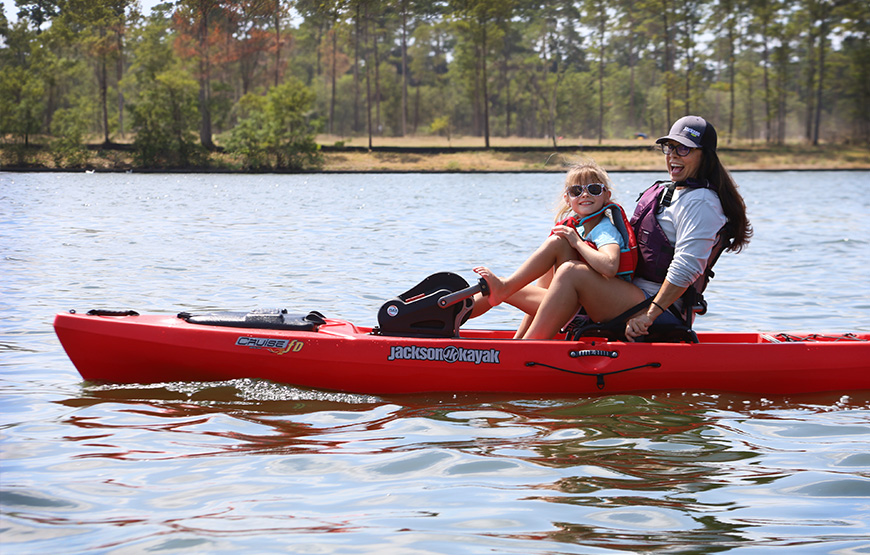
(638, 326)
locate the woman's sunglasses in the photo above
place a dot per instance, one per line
(594, 189)
(681, 150)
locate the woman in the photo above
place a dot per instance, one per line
(688, 214)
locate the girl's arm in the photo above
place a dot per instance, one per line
(605, 260)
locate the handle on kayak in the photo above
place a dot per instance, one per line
(103, 312)
(451, 299)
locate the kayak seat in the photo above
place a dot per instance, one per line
(614, 330)
(267, 319)
(416, 312)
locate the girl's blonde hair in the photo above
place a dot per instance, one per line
(582, 173)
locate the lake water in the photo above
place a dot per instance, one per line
(257, 467)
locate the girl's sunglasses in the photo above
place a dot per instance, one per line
(594, 189)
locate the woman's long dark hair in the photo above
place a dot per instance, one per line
(732, 203)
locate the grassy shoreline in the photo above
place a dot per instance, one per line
(615, 155)
(467, 154)
(490, 161)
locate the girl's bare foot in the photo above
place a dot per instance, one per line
(496, 285)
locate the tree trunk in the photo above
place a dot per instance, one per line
(632, 107)
(120, 72)
(368, 79)
(104, 97)
(277, 42)
(601, 27)
(332, 79)
(821, 82)
(356, 92)
(378, 121)
(204, 79)
(507, 89)
(485, 90)
(553, 116)
(811, 76)
(404, 115)
(782, 104)
(732, 63)
(750, 110)
(690, 60)
(416, 107)
(668, 60)
(768, 113)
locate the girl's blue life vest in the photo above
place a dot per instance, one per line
(627, 255)
(654, 249)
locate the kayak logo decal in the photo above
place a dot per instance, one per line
(277, 346)
(449, 354)
(294, 346)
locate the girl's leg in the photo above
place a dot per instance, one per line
(524, 326)
(527, 299)
(576, 285)
(552, 252)
(481, 306)
(533, 304)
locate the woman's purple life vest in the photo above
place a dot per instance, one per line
(655, 251)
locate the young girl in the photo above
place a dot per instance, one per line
(580, 221)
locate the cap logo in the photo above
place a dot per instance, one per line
(693, 132)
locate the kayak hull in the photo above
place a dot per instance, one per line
(341, 356)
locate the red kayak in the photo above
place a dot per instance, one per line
(312, 351)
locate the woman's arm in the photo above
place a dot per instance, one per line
(666, 296)
(696, 218)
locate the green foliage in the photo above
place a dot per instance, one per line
(21, 103)
(439, 125)
(762, 70)
(247, 138)
(97, 28)
(163, 102)
(68, 127)
(165, 118)
(273, 131)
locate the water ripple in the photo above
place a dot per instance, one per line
(254, 466)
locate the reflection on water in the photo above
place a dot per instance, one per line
(253, 466)
(613, 472)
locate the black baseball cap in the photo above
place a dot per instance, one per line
(692, 131)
